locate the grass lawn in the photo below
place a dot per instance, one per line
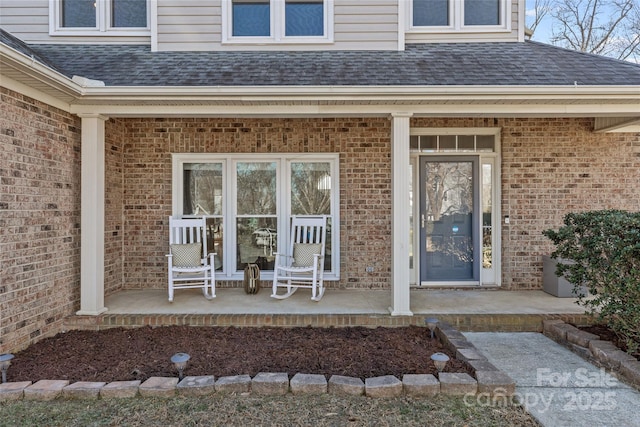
(251, 410)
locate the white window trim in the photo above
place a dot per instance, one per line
(103, 20)
(277, 26)
(456, 20)
(229, 205)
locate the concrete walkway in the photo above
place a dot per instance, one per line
(558, 387)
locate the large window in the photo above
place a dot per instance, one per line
(447, 15)
(273, 21)
(248, 202)
(94, 17)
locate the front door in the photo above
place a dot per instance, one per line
(449, 220)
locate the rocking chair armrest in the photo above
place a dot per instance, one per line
(212, 257)
(281, 254)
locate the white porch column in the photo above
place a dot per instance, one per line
(92, 216)
(400, 214)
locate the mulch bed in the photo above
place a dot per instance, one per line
(136, 354)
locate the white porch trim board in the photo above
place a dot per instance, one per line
(400, 280)
(92, 220)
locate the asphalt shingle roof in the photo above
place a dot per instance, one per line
(17, 44)
(434, 64)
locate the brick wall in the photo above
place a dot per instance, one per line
(365, 172)
(39, 219)
(114, 203)
(551, 167)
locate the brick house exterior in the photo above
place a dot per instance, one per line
(571, 153)
(39, 219)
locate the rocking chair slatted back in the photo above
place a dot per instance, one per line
(307, 230)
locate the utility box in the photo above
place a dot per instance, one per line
(554, 285)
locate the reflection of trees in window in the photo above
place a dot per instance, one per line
(256, 225)
(78, 13)
(310, 188)
(256, 188)
(202, 189)
(487, 203)
(448, 188)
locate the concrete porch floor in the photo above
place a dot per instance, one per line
(468, 310)
(340, 301)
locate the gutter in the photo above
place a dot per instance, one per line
(368, 92)
(32, 68)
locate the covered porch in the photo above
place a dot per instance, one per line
(469, 309)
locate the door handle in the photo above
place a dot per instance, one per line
(422, 220)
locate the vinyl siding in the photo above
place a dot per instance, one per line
(26, 19)
(377, 29)
(196, 25)
(189, 25)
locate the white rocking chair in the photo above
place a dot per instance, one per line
(189, 264)
(302, 265)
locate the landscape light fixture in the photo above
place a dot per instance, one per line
(431, 324)
(180, 360)
(440, 360)
(5, 362)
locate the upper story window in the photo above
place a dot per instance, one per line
(274, 21)
(459, 15)
(95, 17)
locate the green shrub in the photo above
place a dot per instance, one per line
(605, 249)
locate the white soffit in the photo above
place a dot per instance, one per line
(617, 124)
(19, 70)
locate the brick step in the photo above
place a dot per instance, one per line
(463, 322)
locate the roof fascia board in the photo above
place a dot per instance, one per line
(302, 110)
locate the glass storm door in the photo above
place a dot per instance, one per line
(449, 225)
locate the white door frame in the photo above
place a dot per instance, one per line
(488, 161)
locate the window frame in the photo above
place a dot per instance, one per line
(103, 22)
(456, 20)
(277, 26)
(229, 214)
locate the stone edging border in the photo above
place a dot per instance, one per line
(488, 380)
(602, 353)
